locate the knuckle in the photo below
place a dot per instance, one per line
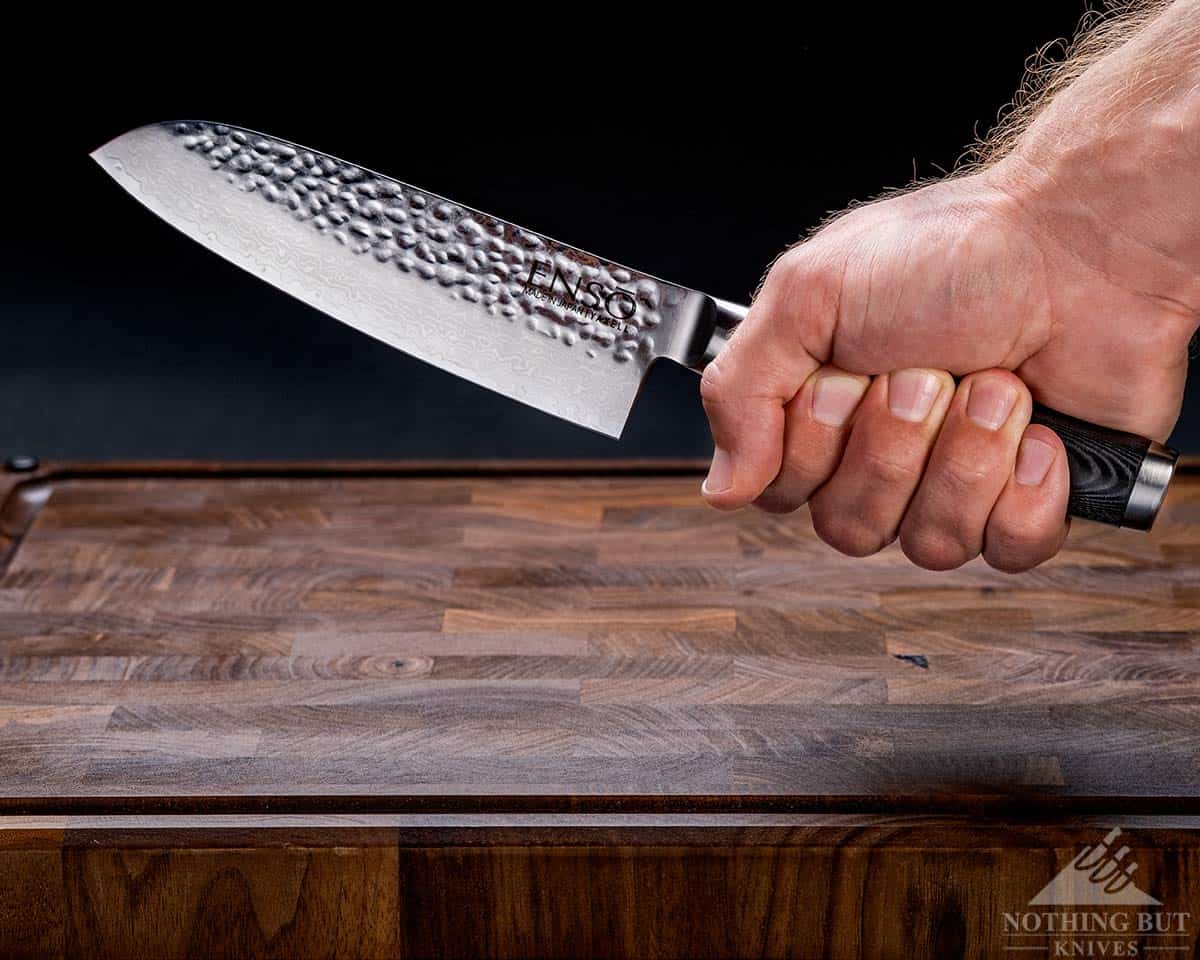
(962, 477)
(884, 470)
(1007, 536)
(932, 549)
(716, 386)
(798, 264)
(847, 533)
(1013, 548)
(779, 501)
(1010, 562)
(808, 277)
(800, 475)
(792, 261)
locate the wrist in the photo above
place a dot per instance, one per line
(1116, 207)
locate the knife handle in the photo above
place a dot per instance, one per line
(1117, 478)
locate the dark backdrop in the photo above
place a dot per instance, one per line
(696, 158)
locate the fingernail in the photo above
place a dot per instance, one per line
(990, 402)
(911, 394)
(720, 473)
(1033, 461)
(835, 398)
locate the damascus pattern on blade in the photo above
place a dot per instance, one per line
(544, 323)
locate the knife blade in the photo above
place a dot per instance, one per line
(529, 317)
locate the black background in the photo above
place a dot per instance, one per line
(694, 155)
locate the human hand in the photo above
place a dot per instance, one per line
(839, 388)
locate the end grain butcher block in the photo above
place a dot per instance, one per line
(555, 709)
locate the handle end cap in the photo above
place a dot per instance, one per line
(1151, 486)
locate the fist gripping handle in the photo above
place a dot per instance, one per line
(1117, 478)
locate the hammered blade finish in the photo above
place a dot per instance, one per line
(534, 319)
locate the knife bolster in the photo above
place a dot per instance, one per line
(721, 316)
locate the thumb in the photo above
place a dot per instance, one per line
(746, 387)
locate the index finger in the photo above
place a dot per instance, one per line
(764, 366)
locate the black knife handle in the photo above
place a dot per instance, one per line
(1117, 478)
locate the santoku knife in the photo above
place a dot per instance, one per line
(541, 322)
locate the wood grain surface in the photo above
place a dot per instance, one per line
(184, 649)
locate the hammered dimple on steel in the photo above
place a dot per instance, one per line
(472, 255)
(473, 294)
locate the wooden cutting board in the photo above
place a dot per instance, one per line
(566, 709)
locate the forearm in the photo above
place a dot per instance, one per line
(1108, 159)
(1121, 78)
